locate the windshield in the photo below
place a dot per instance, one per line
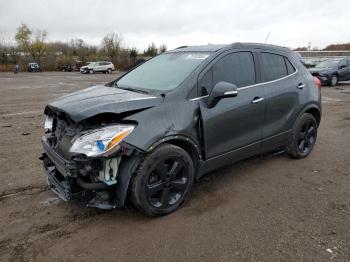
(328, 63)
(164, 72)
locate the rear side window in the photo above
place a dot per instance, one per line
(274, 66)
(290, 67)
(236, 68)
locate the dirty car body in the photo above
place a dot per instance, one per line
(101, 141)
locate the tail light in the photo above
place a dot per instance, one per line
(318, 83)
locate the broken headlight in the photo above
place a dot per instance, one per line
(48, 123)
(102, 141)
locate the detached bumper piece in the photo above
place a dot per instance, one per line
(60, 186)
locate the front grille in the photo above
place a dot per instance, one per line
(62, 135)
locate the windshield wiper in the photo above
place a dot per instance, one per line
(133, 89)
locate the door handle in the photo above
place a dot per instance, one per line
(300, 86)
(257, 100)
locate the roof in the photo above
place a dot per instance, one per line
(215, 47)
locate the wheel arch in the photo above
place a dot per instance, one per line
(182, 141)
(187, 144)
(314, 110)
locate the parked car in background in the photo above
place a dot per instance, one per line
(66, 68)
(99, 66)
(153, 132)
(331, 71)
(33, 67)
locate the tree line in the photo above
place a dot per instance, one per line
(30, 45)
(331, 47)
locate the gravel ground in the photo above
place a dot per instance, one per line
(267, 208)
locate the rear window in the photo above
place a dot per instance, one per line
(274, 66)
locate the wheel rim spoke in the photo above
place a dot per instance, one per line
(155, 188)
(175, 169)
(311, 130)
(164, 199)
(302, 145)
(179, 185)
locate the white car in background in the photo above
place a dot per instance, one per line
(99, 66)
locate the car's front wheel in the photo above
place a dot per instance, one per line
(91, 71)
(334, 80)
(303, 137)
(162, 181)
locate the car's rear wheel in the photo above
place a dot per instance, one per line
(109, 71)
(334, 80)
(162, 181)
(303, 137)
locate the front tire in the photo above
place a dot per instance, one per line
(303, 137)
(334, 80)
(162, 181)
(91, 71)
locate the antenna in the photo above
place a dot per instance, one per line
(267, 37)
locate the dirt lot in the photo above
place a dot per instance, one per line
(268, 208)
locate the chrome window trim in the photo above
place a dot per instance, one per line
(259, 84)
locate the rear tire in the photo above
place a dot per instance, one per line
(303, 137)
(162, 181)
(109, 71)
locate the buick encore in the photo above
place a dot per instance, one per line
(150, 134)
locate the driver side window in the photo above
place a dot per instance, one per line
(236, 68)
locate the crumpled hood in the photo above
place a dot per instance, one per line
(101, 99)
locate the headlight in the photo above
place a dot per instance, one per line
(101, 141)
(48, 123)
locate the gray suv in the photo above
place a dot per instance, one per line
(151, 133)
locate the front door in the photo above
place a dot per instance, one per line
(235, 123)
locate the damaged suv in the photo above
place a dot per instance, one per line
(158, 128)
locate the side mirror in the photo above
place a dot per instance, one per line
(221, 90)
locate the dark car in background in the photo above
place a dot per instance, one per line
(331, 71)
(66, 68)
(33, 67)
(151, 133)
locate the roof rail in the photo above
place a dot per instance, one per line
(183, 46)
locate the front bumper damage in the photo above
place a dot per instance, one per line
(101, 182)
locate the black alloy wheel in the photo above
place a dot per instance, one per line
(163, 180)
(167, 183)
(303, 137)
(307, 137)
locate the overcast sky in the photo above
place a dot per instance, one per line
(290, 23)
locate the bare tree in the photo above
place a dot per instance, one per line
(151, 50)
(34, 44)
(111, 45)
(162, 48)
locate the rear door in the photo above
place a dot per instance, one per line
(283, 89)
(236, 122)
